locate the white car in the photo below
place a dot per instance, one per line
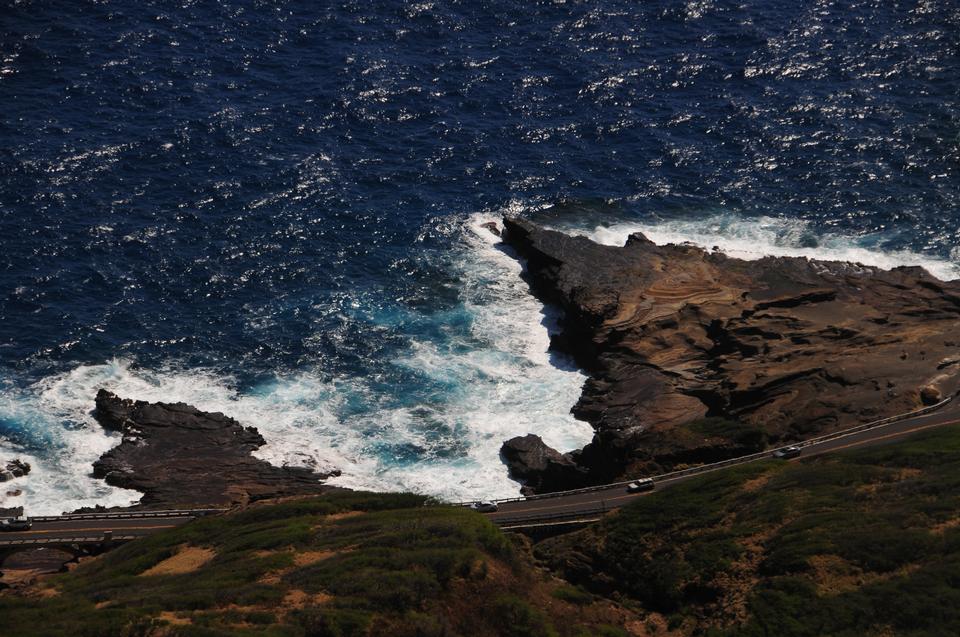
(19, 523)
(787, 452)
(643, 484)
(485, 507)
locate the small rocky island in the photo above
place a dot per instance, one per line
(693, 356)
(180, 456)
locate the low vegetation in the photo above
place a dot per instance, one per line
(859, 543)
(334, 566)
(862, 542)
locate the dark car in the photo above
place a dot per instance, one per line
(19, 523)
(787, 452)
(485, 507)
(644, 484)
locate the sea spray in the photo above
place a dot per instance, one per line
(754, 238)
(431, 420)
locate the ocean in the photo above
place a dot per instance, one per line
(275, 209)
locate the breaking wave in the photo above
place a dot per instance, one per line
(431, 420)
(754, 238)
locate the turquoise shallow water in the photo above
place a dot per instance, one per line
(274, 210)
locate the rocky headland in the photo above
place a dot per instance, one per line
(179, 456)
(13, 469)
(693, 355)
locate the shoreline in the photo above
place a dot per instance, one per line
(694, 356)
(691, 356)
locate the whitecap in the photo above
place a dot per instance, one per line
(494, 374)
(755, 238)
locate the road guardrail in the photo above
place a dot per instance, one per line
(705, 468)
(128, 515)
(567, 516)
(85, 539)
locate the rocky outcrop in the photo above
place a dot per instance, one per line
(671, 335)
(14, 469)
(539, 467)
(178, 455)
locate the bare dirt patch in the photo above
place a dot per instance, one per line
(296, 598)
(14, 577)
(943, 527)
(187, 560)
(736, 584)
(174, 618)
(306, 558)
(873, 488)
(300, 559)
(652, 625)
(833, 575)
(333, 517)
(45, 592)
(757, 483)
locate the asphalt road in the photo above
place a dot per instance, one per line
(67, 528)
(615, 497)
(565, 506)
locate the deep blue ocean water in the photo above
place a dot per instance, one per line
(274, 209)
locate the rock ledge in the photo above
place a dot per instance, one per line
(781, 348)
(180, 456)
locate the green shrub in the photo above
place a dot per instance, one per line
(391, 561)
(517, 618)
(870, 511)
(332, 622)
(573, 595)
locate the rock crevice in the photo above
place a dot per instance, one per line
(671, 335)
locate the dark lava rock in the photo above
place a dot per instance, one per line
(99, 508)
(786, 347)
(179, 456)
(492, 227)
(14, 469)
(539, 467)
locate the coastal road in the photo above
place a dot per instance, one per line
(66, 528)
(581, 505)
(594, 503)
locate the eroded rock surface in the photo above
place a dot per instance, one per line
(540, 467)
(14, 469)
(674, 334)
(178, 455)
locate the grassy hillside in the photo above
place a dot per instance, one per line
(859, 543)
(340, 565)
(855, 544)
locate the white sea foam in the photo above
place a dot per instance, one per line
(496, 376)
(58, 412)
(506, 388)
(749, 238)
(501, 382)
(47, 417)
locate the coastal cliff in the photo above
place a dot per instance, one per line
(178, 455)
(693, 356)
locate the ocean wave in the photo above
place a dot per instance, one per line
(755, 238)
(49, 426)
(467, 383)
(503, 383)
